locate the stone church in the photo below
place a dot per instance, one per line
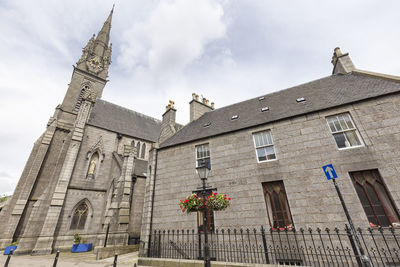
(88, 169)
(99, 165)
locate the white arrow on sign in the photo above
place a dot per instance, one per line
(329, 171)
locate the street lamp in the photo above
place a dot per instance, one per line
(203, 170)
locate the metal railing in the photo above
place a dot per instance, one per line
(311, 247)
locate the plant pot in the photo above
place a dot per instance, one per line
(81, 247)
(8, 249)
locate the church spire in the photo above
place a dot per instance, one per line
(104, 34)
(96, 55)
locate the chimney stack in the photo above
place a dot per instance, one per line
(341, 62)
(198, 108)
(168, 122)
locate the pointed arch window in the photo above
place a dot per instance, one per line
(133, 143)
(79, 101)
(79, 217)
(94, 161)
(375, 199)
(137, 149)
(277, 205)
(143, 151)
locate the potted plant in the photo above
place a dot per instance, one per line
(13, 247)
(213, 202)
(80, 244)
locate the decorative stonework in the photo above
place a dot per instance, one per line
(93, 165)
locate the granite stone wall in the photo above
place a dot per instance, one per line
(302, 145)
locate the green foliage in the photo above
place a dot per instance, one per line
(218, 201)
(214, 202)
(3, 198)
(191, 203)
(15, 243)
(77, 238)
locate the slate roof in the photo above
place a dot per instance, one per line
(125, 121)
(328, 92)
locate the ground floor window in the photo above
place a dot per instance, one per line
(210, 221)
(277, 205)
(79, 217)
(374, 197)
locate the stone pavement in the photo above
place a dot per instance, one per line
(67, 259)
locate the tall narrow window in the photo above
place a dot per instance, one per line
(277, 205)
(375, 199)
(210, 221)
(94, 160)
(137, 149)
(344, 131)
(143, 151)
(264, 146)
(79, 217)
(79, 101)
(203, 155)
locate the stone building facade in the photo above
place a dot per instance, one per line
(99, 165)
(267, 154)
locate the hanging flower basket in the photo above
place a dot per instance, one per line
(213, 202)
(217, 201)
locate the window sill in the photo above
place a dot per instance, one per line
(269, 160)
(351, 147)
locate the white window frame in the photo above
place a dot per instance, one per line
(209, 151)
(355, 129)
(269, 145)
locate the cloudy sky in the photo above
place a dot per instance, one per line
(227, 51)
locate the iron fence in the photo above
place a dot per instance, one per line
(310, 247)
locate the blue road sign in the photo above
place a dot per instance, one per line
(329, 172)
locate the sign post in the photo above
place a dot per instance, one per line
(331, 174)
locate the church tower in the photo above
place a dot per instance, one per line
(91, 70)
(35, 209)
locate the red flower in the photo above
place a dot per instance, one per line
(215, 194)
(225, 197)
(186, 200)
(229, 198)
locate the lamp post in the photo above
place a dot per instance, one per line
(203, 170)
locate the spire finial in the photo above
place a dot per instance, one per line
(104, 33)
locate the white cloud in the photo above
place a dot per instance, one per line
(174, 35)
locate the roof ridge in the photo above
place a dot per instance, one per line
(377, 75)
(130, 110)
